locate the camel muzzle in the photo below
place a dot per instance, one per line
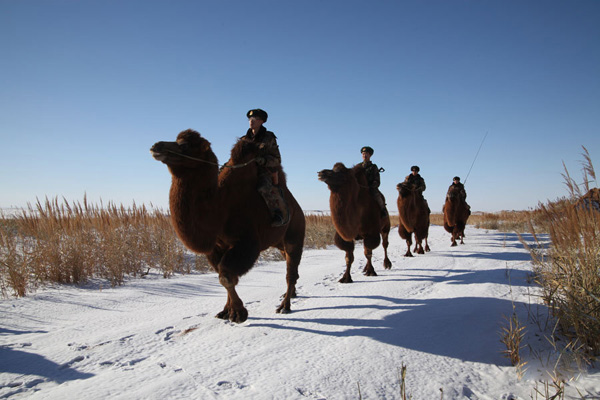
(325, 174)
(159, 151)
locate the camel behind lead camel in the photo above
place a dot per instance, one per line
(222, 215)
(413, 213)
(356, 215)
(456, 213)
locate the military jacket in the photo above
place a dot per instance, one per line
(372, 173)
(269, 149)
(417, 181)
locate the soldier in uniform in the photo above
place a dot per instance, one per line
(269, 161)
(456, 184)
(415, 180)
(372, 173)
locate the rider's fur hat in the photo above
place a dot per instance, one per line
(258, 113)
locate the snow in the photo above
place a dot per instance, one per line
(439, 314)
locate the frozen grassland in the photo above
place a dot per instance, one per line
(439, 314)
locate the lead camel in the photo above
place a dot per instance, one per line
(222, 215)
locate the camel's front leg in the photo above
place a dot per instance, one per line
(455, 236)
(369, 270)
(408, 244)
(348, 247)
(419, 245)
(234, 308)
(347, 277)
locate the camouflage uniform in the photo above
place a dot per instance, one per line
(461, 188)
(269, 162)
(415, 182)
(372, 173)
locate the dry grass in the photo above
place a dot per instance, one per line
(569, 272)
(319, 231)
(512, 336)
(66, 242)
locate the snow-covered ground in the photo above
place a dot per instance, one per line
(439, 314)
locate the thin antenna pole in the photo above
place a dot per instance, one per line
(473, 163)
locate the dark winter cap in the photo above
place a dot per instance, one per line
(415, 168)
(456, 178)
(258, 113)
(367, 149)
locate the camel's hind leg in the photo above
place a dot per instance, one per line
(292, 258)
(348, 247)
(292, 246)
(387, 264)
(419, 247)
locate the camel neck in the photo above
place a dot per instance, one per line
(194, 208)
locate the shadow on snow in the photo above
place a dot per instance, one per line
(464, 328)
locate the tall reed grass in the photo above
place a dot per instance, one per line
(63, 242)
(569, 271)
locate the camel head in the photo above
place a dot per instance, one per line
(189, 151)
(337, 177)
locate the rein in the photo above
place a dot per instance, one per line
(212, 163)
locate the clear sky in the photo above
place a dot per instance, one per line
(86, 87)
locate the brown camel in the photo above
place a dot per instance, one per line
(356, 215)
(413, 214)
(221, 214)
(590, 200)
(456, 213)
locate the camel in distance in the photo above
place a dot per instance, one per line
(221, 214)
(413, 213)
(356, 215)
(456, 213)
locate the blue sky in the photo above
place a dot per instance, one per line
(88, 86)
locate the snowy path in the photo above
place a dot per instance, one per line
(438, 313)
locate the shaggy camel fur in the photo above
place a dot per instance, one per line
(456, 213)
(356, 215)
(413, 217)
(222, 215)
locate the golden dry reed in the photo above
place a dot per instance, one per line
(58, 241)
(569, 271)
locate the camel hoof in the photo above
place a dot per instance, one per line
(223, 315)
(237, 316)
(409, 254)
(387, 264)
(370, 273)
(346, 279)
(427, 248)
(283, 310)
(453, 244)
